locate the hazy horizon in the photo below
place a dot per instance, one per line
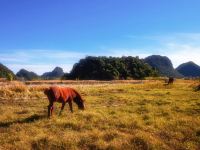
(40, 35)
(40, 69)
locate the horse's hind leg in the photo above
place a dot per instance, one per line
(62, 107)
(70, 106)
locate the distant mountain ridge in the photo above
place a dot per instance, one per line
(26, 75)
(189, 69)
(29, 75)
(56, 73)
(163, 64)
(160, 63)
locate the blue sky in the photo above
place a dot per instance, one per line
(39, 35)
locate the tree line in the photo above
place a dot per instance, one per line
(110, 68)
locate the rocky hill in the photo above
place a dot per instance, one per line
(163, 64)
(56, 73)
(189, 69)
(27, 75)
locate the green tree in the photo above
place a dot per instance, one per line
(109, 68)
(9, 77)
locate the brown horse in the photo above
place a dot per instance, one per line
(171, 80)
(63, 95)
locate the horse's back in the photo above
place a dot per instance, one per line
(68, 92)
(64, 93)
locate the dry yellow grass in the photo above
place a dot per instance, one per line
(120, 115)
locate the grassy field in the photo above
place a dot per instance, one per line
(149, 115)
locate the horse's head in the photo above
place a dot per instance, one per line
(80, 102)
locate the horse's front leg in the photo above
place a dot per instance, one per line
(62, 107)
(70, 105)
(50, 110)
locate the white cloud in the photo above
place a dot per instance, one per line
(13, 57)
(57, 54)
(181, 53)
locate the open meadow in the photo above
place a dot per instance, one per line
(119, 115)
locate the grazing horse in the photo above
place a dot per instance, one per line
(63, 95)
(171, 80)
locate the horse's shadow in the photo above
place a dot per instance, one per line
(29, 119)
